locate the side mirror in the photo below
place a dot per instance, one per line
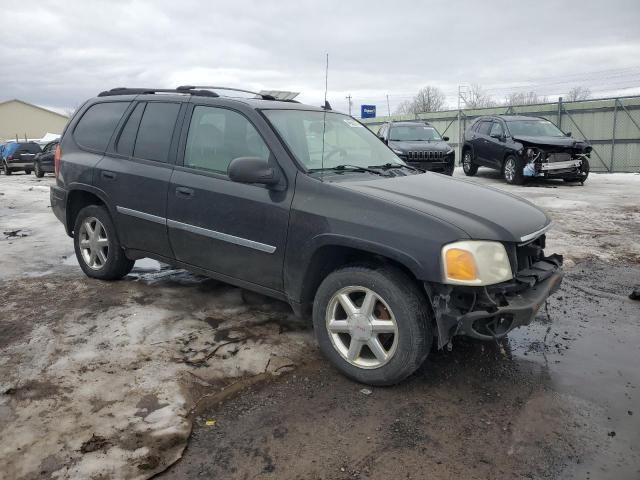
(568, 134)
(446, 139)
(252, 170)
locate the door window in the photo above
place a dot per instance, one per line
(217, 136)
(484, 127)
(155, 131)
(496, 129)
(129, 132)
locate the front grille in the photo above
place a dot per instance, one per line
(559, 157)
(425, 155)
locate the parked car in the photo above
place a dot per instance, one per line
(43, 161)
(420, 145)
(18, 156)
(383, 257)
(522, 147)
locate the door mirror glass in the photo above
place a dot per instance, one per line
(252, 170)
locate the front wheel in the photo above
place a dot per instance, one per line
(6, 169)
(469, 168)
(27, 171)
(372, 323)
(512, 171)
(97, 247)
(37, 170)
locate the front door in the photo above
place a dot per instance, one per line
(481, 142)
(235, 230)
(496, 146)
(135, 174)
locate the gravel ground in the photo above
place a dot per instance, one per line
(106, 380)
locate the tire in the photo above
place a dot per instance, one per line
(27, 171)
(396, 301)
(512, 171)
(470, 168)
(36, 169)
(96, 261)
(585, 170)
(450, 169)
(6, 169)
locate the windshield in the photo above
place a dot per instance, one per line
(413, 133)
(534, 128)
(346, 142)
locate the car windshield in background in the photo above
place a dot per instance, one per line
(417, 133)
(346, 142)
(534, 128)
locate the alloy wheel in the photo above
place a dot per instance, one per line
(362, 327)
(94, 243)
(510, 169)
(466, 161)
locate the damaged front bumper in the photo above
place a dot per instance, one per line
(490, 313)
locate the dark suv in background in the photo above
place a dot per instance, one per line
(18, 156)
(522, 146)
(420, 145)
(43, 161)
(385, 258)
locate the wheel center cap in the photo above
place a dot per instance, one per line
(361, 326)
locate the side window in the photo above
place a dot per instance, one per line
(97, 124)
(217, 136)
(484, 127)
(496, 129)
(130, 130)
(155, 131)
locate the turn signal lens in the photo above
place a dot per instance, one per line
(460, 265)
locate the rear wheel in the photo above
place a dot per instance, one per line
(27, 171)
(38, 171)
(470, 168)
(512, 171)
(372, 323)
(97, 247)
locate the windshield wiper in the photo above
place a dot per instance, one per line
(348, 168)
(387, 166)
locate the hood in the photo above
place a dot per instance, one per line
(433, 146)
(483, 213)
(564, 142)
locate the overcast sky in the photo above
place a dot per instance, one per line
(58, 53)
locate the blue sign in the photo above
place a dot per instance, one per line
(367, 111)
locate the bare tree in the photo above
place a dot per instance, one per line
(524, 98)
(428, 99)
(578, 93)
(476, 97)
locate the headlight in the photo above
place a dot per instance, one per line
(473, 262)
(397, 152)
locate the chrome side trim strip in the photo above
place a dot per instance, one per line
(142, 215)
(243, 242)
(536, 234)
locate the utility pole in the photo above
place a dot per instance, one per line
(348, 97)
(388, 107)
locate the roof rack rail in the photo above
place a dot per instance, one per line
(143, 91)
(190, 88)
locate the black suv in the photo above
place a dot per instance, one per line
(522, 147)
(43, 161)
(305, 205)
(420, 145)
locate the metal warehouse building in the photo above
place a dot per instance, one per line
(22, 119)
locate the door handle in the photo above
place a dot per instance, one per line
(108, 175)
(184, 192)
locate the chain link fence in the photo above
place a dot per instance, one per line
(611, 125)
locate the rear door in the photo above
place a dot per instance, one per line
(135, 174)
(481, 142)
(496, 145)
(234, 229)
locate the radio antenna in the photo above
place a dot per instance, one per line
(324, 115)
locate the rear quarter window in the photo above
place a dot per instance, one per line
(98, 123)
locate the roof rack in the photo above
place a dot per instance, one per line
(190, 88)
(143, 91)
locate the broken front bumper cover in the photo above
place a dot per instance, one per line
(498, 309)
